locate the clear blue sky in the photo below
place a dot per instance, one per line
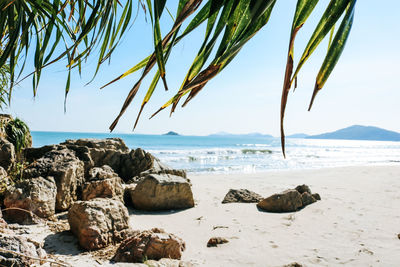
(245, 97)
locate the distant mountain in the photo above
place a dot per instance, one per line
(299, 135)
(171, 133)
(358, 132)
(242, 135)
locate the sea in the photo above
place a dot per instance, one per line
(245, 154)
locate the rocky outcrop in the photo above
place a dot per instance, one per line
(241, 195)
(215, 241)
(128, 190)
(98, 222)
(162, 192)
(153, 245)
(107, 143)
(67, 171)
(7, 154)
(113, 152)
(20, 246)
(36, 195)
(287, 201)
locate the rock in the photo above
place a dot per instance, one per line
(4, 183)
(102, 172)
(287, 201)
(68, 173)
(105, 188)
(7, 154)
(215, 241)
(20, 245)
(316, 196)
(167, 263)
(98, 222)
(398, 236)
(37, 195)
(241, 195)
(33, 153)
(303, 188)
(107, 143)
(3, 223)
(162, 192)
(153, 245)
(307, 199)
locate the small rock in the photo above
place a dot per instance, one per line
(316, 196)
(303, 188)
(398, 236)
(241, 195)
(153, 245)
(36, 195)
(162, 192)
(215, 241)
(287, 201)
(20, 245)
(307, 199)
(98, 222)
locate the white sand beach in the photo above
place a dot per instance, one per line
(355, 224)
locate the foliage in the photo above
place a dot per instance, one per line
(230, 24)
(4, 80)
(17, 133)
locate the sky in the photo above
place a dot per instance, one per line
(363, 89)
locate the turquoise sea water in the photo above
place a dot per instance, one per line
(246, 154)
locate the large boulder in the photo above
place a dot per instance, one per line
(7, 154)
(153, 245)
(162, 192)
(67, 171)
(241, 195)
(21, 246)
(36, 195)
(287, 201)
(98, 222)
(103, 183)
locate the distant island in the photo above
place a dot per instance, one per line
(172, 133)
(359, 132)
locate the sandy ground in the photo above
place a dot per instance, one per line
(355, 224)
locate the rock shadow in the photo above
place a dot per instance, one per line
(133, 211)
(63, 243)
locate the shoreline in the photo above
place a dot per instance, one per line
(355, 224)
